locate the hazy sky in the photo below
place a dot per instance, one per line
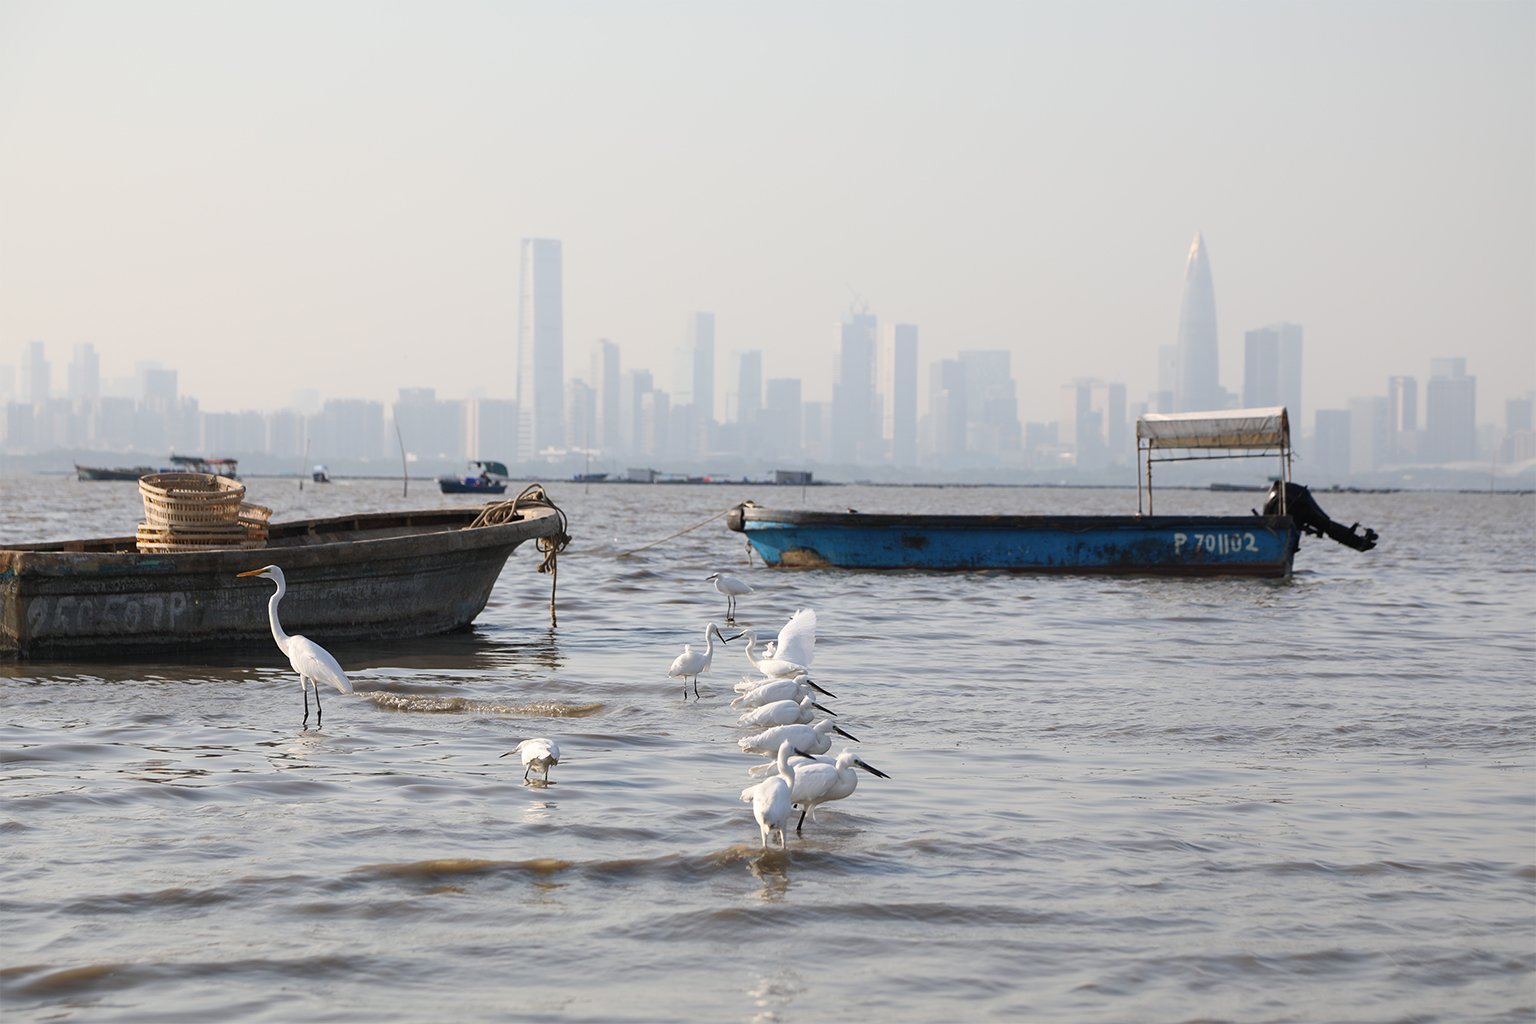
(329, 195)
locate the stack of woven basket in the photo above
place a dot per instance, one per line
(198, 511)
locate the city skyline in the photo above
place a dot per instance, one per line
(1018, 178)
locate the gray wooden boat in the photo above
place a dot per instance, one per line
(367, 576)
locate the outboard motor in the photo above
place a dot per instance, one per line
(1303, 508)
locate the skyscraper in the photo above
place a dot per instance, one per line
(605, 379)
(855, 405)
(540, 350)
(1272, 368)
(1199, 388)
(701, 346)
(901, 388)
(1450, 412)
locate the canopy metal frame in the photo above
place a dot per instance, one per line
(1149, 449)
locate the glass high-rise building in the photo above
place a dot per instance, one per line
(1199, 387)
(540, 350)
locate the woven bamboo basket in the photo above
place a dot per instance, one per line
(198, 512)
(176, 500)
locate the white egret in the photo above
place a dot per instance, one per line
(312, 662)
(796, 647)
(786, 688)
(539, 753)
(816, 782)
(808, 739)
(732, 588)
(770, 799)
(692, 663)
(783, 712)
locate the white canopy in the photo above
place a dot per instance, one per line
(1224, 428)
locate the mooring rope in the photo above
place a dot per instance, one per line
(532, 496)
(725, 511)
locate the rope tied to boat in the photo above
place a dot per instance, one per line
(532, 496)
(679, 533)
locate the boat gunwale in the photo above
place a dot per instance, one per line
(314, 538)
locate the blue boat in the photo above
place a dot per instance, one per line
(1261, 545)
(491, 479)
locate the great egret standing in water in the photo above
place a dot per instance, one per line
(312, 662)
(732, 588)
(537, 752)
(694, 663)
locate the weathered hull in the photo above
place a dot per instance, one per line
(104, 473)
(1106, 545)
(451, 486)
(379, 575)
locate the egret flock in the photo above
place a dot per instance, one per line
(777, 697)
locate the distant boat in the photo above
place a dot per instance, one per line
(115, 473)
(589, 478)
(179, 464)
(1180, 545)
(320, 475)
(492, 479)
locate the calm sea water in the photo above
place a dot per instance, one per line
(1110, 799)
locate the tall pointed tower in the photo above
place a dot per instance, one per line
(1198, 387)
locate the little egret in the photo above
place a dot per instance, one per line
(808, 739)
(783, 712)
(732, 588)
(312, 662)
(537, 752)
(692, 663)
(796, 647)
(770, 799)
(778, 689)
(819, 783)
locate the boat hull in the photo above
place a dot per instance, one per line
(1261, 546)
(374, 576)
(452, 486)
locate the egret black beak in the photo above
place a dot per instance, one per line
(508, 753)
(736, 636)
(870, 768)
(820, 708)
(801, 753)
(850, 735)
(818, 689)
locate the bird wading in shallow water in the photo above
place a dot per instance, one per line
(312, 662)
(818, 783)
(782, 712)
(692, 663)
(732, 588)
(808, 739)
(539, 753)
(796, 647)
(770, 799)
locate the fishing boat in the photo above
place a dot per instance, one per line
(179, 464)
(366, 576)
(485, 478)
(1257, 545)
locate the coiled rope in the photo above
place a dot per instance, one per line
(532, 496)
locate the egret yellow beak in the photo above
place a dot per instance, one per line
(252, 572)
